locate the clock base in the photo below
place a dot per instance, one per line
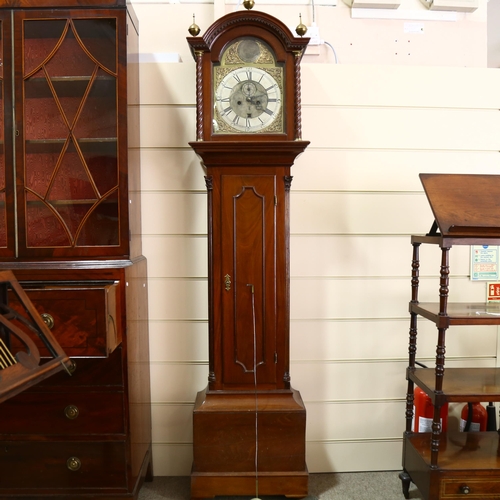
(209, 485)
(226, 428)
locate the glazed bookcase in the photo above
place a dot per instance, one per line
(70, 231)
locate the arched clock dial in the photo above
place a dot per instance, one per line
(248, 99)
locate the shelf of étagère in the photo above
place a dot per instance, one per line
(468, 465)
(459, 384)
(460, 450)
(450, 240)
(480, 313)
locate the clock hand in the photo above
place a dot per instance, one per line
(259, 101)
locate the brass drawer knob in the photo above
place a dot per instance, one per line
(465, 490)
(48, 320)
(73, 463)
(71, 412)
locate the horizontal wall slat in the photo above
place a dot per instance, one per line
(342, 255)
(344, 85)
(171, 170)
(383, 339)
(174, 213)
(313, 298)
(316, 381)
(176, 255)
(365, 298)
(343, 213)
(172, 423)
(355, 456)
(409, 86)
(187, 381)
(186, 299)
(165, 169)
(185, 256)
(358, 381)
(359, 213)
(178, 341)
(324, 340)
(383, 128)
(352, 128)
(382, 169)
(327, 421)
(155, 129)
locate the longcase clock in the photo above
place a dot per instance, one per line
(249, 424)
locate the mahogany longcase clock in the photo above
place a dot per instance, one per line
(249, 424)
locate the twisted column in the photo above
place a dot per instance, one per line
(199, 95)
(298, 113)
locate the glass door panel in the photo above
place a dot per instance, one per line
(7, 198)
(3, 217)
(71, 179)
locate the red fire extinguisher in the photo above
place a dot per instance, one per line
(423, 412)
(474, 418)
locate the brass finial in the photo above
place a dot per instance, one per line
(301, 29)
(248, 4)
(194, 29)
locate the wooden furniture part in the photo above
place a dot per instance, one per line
(249, 424)
(452, 465)
(21, 327)
(70, 232)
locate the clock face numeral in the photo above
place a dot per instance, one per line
(248, 99)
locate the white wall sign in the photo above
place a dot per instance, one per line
(484, 263)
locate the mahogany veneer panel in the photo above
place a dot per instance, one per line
(90, 374)
(86, 322)
(225, 433)
(103, 465)
(98, 413)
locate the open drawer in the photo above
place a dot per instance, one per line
(83, 317)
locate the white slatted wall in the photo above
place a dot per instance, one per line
(355, 200)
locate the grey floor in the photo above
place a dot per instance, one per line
(341, 486)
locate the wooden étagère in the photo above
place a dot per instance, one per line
(452, 464)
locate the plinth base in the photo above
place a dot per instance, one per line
(227, 430)
(209, 485)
